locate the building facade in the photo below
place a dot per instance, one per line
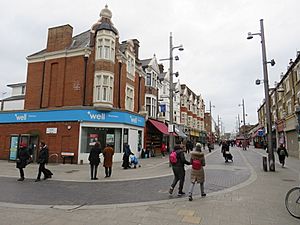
(79, 90)
(284, 103)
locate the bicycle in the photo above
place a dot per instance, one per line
(292, 202)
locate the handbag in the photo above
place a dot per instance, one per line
(18, 160)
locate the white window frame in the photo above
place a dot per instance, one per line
(151, 105)
(130, 66)
(129, 101)
(103, 92)
(105, 46)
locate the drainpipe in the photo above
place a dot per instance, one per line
(119, 86)
(42, 88)
(86, 57)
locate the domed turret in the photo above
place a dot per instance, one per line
(106, 13)
(104, 23)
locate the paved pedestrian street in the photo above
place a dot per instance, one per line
(238, 193)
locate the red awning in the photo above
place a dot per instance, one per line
(160, 126)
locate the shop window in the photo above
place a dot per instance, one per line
(105, 136)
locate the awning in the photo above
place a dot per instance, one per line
(179, 132)
(159, 126)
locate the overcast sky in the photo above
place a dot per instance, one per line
(218, 61)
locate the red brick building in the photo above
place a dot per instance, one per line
(80, 89)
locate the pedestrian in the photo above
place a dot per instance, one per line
(152, 149)
(22, 158)
(108, 153)
(42, 161)
(282, 153)
(178, 169)
(197, 172)
(163, 149)
(127, 153)
(94, 158)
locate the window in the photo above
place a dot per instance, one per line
(151, 106)
(148, 79)
(289, 107)
(103, 90)
(105, 48)
(130, 66)
(129, 98)
(298, 74)
(287, 85)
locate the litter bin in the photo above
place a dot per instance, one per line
(265, 163)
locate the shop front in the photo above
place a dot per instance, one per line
(291, 132)
(71, 131)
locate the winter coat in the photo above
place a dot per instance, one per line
(108, 153)
(22, 157)
(43, 155)
(180, 157)
(198, 175)
(94, 156)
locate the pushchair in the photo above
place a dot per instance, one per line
(228, 156)
(134, 161)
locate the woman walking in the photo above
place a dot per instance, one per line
(22, 158)
(43, 160)
(94, 160)
(282, 153)
(108, 153)
(197, 172)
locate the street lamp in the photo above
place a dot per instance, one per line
(244, 124)
(267, 98)
(211, 119)
(171, 89)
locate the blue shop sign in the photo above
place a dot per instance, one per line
(73, 115)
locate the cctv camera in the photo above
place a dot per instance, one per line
(176, 57)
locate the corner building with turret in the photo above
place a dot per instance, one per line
(79, 90)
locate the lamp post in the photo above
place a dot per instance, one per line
(171, 90)
(244, 124)
(271, 158)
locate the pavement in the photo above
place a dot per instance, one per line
(238, 193)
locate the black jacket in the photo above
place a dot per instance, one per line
(181, 161)
(22, 157)
(43, 155)
(94, 156)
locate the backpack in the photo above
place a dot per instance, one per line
(196, 164)
(282, 152)
(173, 157)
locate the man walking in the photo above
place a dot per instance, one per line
(178, 169)
(43, 160)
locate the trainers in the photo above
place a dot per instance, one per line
(190, 198)
(37, 180)
(180, 193)
(203, 194)
(171, 191)
(21, 179)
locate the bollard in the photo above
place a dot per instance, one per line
(265, 164)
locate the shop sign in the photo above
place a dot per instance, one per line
(51, 130)
(73, 115)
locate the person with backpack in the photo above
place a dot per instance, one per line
(177, 160)
(197, 172)
(282, 153)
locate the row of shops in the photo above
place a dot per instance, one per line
(75, 131)
(285, 131)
